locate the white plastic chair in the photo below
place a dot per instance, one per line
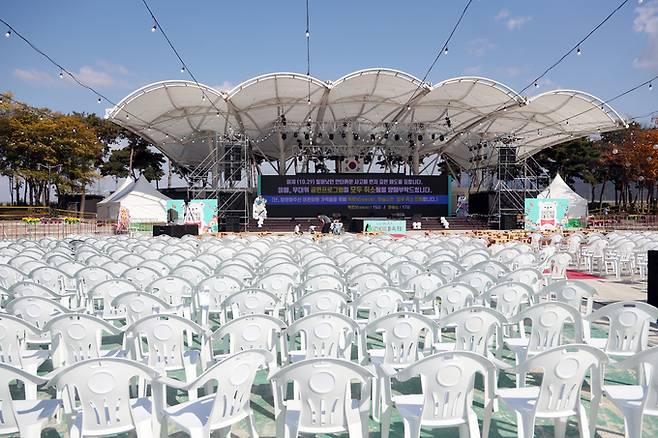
(101, 296)
(137, 305)
(25, 417)
(377, 303)
(323, 334)
(165, 341)
(447, 381)
(325, 300)
(14, 335)
(558, 397)
(76, 337)
(227, 405)
(104, 406)
(448, 298)
(251, 302)
(323, 382)
(141, 276)
(209, 295)
(636, 401)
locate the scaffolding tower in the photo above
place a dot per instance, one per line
(225, 174)
(515, 179)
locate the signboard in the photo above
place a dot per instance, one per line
(203, 212)
(385, 226)
(546, 214)
(355, 195)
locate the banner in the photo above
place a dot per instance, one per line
(355, 195)
(385, 226)
(546, 214)
(203, 212)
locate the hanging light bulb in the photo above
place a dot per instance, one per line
(308, 101)
(99, 100)
(578, 52)
(217, 114)
(650, 86)
(536, 84)
(615, 151)
(154, 28)
(307, 34)
(182, 69)
(445, 51)
(8, 34)
(61, 74)
(203, 97)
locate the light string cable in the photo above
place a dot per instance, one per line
(64, 71)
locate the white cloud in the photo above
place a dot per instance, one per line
(503, 13)
(516, 23)
(33, 75)
(105, 75)
(511, 71)
(224, 86)
(480, 46)
(646, 22)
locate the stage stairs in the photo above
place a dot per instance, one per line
(286, 225)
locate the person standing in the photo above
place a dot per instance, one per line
(325, 221)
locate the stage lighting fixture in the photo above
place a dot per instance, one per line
(441, 137)
(306, 136)
(284, 135)
(342, 134)
(299, 142)
(295, 134)
(386, 134)
(420, 137)
(372, 137)
(331, 136)
(356, 136)
(319, 135)
(397, 137)
(448, 122)
(433, 136)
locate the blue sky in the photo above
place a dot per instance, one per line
(110, 45)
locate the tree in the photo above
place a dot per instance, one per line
(145, 161)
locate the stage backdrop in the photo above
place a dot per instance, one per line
(355, 195)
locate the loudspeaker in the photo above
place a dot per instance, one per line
(652, 281)
(508, 222)
(176, 230)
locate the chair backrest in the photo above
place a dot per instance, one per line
(36, 310)
(251, 332)
(77, 336)
(324, 300)
(424, 284)
(492, 267)
(10, 276)
(192, 274)
(90, 276)
(629, 325)
(548, 321)
(368, 282)
(446, 379)
(448, 269)
(237, 271)
(13, 337)
(361, 269)
(564, 370)
(400, 273)
(141, 276)
(401, 334)
(529, 276)
(474, 328)
(508, 298)
(52, 278)
(378, 302)
(103, 388)
(324, 334)
(279, 284)
(478, 280)
(572, 292)
(165, 338)
(173, 290)
(323, 281)
(451, 297)
(323, 382)
(218, 287)
(106, 292)
(138, 305)
(251, 302)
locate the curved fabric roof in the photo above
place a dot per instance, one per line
(454, 117)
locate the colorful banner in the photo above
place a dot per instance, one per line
(384, 226)
(203, 212)
(547, 214)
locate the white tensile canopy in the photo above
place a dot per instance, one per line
(143, 202)
(181, 117)
(558, 189)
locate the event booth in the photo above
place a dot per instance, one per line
(558, 206)
(142, 201)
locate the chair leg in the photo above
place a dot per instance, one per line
(560, 427)
(633, 424)
(473, 426)
(525, 425)
(385, 422)
(583, 423)
(411, 427)
(251, 426)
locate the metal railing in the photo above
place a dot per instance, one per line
(35, 231)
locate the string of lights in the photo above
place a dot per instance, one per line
(308, 52)
(443, 50)
(64, 71)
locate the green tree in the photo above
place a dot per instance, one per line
(145, 161)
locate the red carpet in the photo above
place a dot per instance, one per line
(577, 275)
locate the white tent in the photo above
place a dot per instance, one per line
(143, 202)
(558, 189)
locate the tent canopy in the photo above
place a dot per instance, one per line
(180, 117)
(559, 189)
(143, 202)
